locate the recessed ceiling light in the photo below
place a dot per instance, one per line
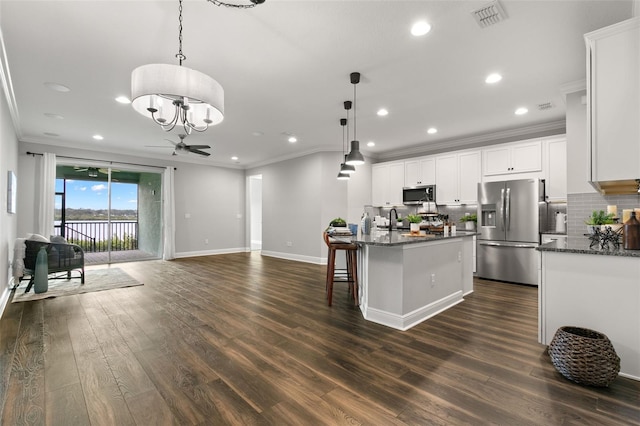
(52, 115)
(521, 111)
(234, 158)
(57, 87)
(432, 130)
(123, 100)
(98, 137)
(383, 112)
(493, 78)
(293, 139)
(54, 135)
(371, 143)
(420, 28)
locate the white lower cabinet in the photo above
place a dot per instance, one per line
(457, 177)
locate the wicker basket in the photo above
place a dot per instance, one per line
(584, 356)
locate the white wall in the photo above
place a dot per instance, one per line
(8, 222)
(214, 198)
(299, 199)
(359, 192)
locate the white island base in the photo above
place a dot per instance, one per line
(402, 285)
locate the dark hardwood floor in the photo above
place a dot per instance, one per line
(245, 339)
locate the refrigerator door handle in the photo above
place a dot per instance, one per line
(508, 245)
(507, 210)
(502, 223)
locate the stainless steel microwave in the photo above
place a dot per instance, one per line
(415, 195)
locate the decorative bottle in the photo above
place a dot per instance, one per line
(366, 224)
(632, 233)
(41, 280)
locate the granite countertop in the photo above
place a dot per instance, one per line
(580, 245)
(395, 238)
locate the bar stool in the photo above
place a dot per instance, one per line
(349, 275)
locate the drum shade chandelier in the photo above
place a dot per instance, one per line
(174, 94)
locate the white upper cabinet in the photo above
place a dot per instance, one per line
(420, 172)
(457, 177)
(387, 181)
(514, 158)
(556, 170)
(613, 101)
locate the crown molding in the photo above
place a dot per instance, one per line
(7, 87)
(452, 144)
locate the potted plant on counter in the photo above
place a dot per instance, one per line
(414, 223)
(597, 219)
(469, 221)
(338, 222)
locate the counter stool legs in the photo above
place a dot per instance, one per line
(351, 276)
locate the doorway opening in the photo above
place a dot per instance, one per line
(114, 215)
(255, 212)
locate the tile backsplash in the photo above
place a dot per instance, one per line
(580, 206)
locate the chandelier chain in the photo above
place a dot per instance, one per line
(179, 55)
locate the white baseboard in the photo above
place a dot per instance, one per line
(405, 322)
(212, 252)
(4, 299)
(296, 257)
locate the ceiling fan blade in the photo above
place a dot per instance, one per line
(198, 146)
(174, 143)
(197, 151)
(158, 146)
(81, 170)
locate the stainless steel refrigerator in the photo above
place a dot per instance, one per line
(511, 215)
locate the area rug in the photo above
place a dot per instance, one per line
(94, 280)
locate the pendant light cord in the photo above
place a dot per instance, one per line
(179, 55)
(355, 138)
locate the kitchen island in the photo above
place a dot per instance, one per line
(405, 280)
(595, 289)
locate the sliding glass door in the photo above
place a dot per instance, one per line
(115, 215)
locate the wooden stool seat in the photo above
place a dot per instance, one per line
(349, 274)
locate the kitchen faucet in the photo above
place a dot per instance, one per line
(393, 210)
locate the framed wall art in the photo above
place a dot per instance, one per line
(12, 191)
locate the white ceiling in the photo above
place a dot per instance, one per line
(285, 69)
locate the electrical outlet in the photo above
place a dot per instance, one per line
(206, 241)
(459, 256)
(433, 280)
(289, 243)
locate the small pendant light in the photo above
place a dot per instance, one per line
(344, 175)
(355, 157)
(346, 168)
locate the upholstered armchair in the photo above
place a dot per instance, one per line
(61, 256)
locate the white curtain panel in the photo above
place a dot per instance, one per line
(169, 213)
(46, 194)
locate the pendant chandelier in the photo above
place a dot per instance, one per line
(176, 95)
(355, 157)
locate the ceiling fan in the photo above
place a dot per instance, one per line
(179, 147)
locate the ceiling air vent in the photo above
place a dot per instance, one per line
(489, 14)
(545, 106)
